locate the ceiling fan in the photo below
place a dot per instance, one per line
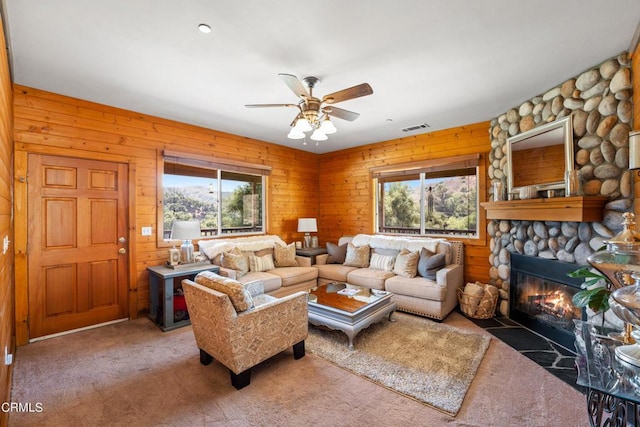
(314, 113)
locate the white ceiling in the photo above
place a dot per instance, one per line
(445, 63)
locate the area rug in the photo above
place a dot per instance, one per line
(419, 358)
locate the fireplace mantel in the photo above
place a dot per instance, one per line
(577, 208)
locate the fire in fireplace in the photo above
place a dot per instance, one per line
(541, 297)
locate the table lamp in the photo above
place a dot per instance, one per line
(306, 226)
(186, 231)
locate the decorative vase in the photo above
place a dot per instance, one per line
(621, 258)
(186, 252)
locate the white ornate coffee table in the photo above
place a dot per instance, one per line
(348, 308)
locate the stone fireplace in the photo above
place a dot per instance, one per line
(600, 101)
(540, 298)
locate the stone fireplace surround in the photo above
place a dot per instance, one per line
(600, 100)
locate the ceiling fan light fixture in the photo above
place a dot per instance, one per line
(303, 125)
(327, 127)
(317, 135)
(295, 134)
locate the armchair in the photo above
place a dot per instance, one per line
(241, 339)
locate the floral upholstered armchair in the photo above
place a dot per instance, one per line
(240, 326)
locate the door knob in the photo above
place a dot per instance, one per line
(122, 251)
(122, 240)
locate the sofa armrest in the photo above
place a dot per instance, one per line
(450, 276)
(227, 272)
(322, 259)
(303, 261)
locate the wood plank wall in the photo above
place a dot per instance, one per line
(635, 75)
(346, 195)
(54, 124)
(6, 226)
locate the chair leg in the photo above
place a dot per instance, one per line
(298, 350)
(240, 380)
(205, 358)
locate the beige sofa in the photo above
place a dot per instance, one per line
(419, 295)
(278, 281)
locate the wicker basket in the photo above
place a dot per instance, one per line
(474, 310)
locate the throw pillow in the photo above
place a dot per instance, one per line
(357, 256)
(261, 263)
(337, 254)
(430, 263)
(240, 297)
(382, 262)
(285, 256)
(406, 263)
(235, 260)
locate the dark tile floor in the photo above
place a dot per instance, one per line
(556, 359)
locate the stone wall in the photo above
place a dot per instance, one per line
(600, 100)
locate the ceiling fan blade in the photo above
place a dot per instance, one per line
(345, 94)
(270, 105)
(294, 84)
(341, 113)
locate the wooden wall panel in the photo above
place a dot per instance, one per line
(6, 226)
(635, 75)
(54, 124)
(346, 195)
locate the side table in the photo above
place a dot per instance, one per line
(613, 387)
(311, 253)
(161, 289)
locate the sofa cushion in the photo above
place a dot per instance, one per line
(430, 263)
(285, 256)
(334, 272)
(270, 282)
(368, 278)
(290, 276)
(235, 260)
(382, 262)
(357, 256)
(261, 263)
(336, 253)
(406, 263)
(417, 287)
(240, 297)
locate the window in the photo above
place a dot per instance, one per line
(227, 198)
(437, 197)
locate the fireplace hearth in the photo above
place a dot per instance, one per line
(540, 297)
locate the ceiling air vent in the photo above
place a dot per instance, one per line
(416, 127)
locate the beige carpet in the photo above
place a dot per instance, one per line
(417, 357)
(132, 374)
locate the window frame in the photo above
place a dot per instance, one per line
(220, 166)
(420, 170)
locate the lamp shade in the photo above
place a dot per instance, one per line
(307, 225)
(185, 230)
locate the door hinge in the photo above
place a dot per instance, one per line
(24, 179)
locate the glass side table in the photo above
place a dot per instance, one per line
(613, 387)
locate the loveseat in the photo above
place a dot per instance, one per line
(264, 258)
(386, 263)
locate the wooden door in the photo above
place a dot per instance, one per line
(77, 246)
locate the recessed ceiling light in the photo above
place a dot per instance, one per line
(204, 28)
